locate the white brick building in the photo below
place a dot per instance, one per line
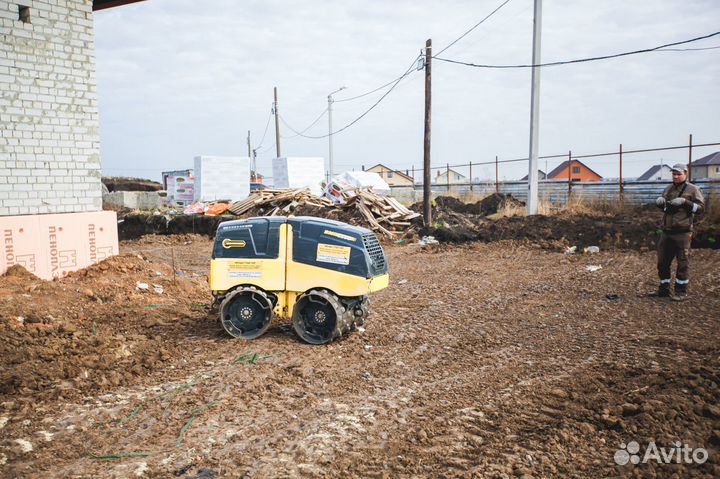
(49, 133)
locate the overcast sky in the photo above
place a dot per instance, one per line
(181, 78)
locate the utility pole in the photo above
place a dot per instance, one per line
(534, 114)
(254, 160)
(330, 133)
(427, 175)
(253, 171)
(689, 171)
(277, 126)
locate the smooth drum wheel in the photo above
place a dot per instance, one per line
(318, 317)
(246, 313)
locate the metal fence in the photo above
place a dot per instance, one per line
(557, 192)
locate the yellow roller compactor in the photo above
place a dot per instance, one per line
(317, 272)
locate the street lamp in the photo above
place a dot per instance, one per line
(330, 133)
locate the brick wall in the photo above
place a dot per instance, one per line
(49, 134)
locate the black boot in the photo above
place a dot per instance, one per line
(664, 290)
(681, 291)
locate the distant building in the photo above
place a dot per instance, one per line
(255, 177)
(656, 173)
(707, 167)
(392, 177)
(455, 177)
(578, 171)
(541, 176)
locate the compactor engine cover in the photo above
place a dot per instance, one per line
(317, 272)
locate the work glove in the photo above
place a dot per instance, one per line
(678, 202)
(660, 202)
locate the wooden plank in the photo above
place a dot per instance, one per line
(290, 206)
(399, 206)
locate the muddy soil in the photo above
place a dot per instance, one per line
(97, 329)
(458, 222)
(118, 183)
(513, 362)
(637, 229)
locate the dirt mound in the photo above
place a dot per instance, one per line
(99, 327)
(17, 271)
(442, 205)
(135, 225)
(636, 229)
(130, 184)
(618, 231)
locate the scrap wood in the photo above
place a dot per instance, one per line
(379, 213)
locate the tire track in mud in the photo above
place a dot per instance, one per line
(489, 361)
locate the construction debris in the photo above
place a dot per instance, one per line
(382, 214)
(280, 201)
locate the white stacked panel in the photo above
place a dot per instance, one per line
(299, 172)
(221, 178)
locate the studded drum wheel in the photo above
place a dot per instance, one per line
(246, 313)
(318, 317)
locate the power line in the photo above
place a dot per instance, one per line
(397, 81)
(473, 28)
(267, 125)
(687, 49)
(299, 133)
(267, 148)
(372, 91)
(385, 85)
(393, 82)
(582, 60)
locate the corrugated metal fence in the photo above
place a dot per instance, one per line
(557, 191)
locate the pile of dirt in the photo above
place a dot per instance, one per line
(491, 204)
(100, 327)
(117, 183)
(638, 229)
(607, 232)
(136, 225)
(457, 222)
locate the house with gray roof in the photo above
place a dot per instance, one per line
(707, 167)
(659, 172)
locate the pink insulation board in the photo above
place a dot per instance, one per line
(51, 246)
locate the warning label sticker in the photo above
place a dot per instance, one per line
(328, 253)
(244, 274)
(339, 235)
(244, 265)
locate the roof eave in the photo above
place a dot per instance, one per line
(103, 4)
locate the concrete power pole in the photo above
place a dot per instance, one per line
(427, 174)
(532, 202)
(277, 125)
(253, 170)
(330, 134)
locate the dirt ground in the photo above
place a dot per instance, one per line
(495, 360)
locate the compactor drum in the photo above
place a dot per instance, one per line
(314, 271)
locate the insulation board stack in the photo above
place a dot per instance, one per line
(299, 172)
(51, 246)
(180, 187)
(221, 178)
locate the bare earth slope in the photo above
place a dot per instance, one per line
(483, 360)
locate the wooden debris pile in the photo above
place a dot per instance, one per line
(381, 210)
(272, 202)
(382, 214)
